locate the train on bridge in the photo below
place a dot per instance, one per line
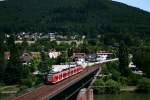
(61, 72)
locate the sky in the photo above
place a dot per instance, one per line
(142, 4)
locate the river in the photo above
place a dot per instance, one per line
(123, 96)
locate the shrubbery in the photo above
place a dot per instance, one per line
(143, 85)
(99, 83)
(133, 79)
(110, 86)
(101, 87)
(31, 80)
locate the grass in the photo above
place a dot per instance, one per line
(128, 89)
(9, 89)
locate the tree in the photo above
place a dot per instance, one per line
(34, 63)
(123, 59)
(144, 85)
(84, 47)
(112, 86)
(2, 59)
(25, 44)
(143, 64)
(62, 58)
(43, 66)
(14, 69)
(70, 51)
(101, 88)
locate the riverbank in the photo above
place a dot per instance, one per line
(110, 81)
(128, 89)
(123, 96)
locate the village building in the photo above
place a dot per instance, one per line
(54, 54)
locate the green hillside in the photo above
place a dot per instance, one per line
(68, 16)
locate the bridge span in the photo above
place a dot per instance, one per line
(57, 91)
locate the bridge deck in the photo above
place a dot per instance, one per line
(46, 91)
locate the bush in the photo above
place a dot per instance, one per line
(100, 89)
(123, 80)
(22, 88)
(105, 70)
(115, 74)
(112, 86)
(133, 79)
(27, 82)
(143, 85)
(99, 83)
(39, 79)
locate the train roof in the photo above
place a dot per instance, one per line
(58, 68)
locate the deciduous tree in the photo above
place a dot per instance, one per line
(123, 59)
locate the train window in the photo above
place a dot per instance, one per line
(64, 75)
(60, 76)
(57, 77)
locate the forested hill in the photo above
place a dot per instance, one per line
(82, 16)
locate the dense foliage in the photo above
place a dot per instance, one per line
(2, 60)
(141, 59)
(123, 59)
(90, 17)
(110, 86)
(144, 85)
(14, 69)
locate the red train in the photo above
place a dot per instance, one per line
(61, 72)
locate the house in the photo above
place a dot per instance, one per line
(54, 54)
(7, 55)
(91, 57)
(77, 56)
(26, 58)
(35, 54)
(51, 35)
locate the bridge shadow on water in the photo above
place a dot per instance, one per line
(71, 92)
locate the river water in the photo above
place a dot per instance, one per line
(122, 96)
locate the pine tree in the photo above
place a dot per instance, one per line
(13, 72)
(43, 66)
(123, 59)
(2, 60)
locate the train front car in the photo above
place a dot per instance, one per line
(52, 76)
(61, 72)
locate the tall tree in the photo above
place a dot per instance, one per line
(13, 72)
(84, 47)
(123, 59)
(2, 60)
(143, 64)
(25, 44)
(43, 66)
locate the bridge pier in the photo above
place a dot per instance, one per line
(85, 94)
(71, 92)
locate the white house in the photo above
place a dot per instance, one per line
(53, 54)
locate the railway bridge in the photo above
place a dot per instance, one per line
(64, 90)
